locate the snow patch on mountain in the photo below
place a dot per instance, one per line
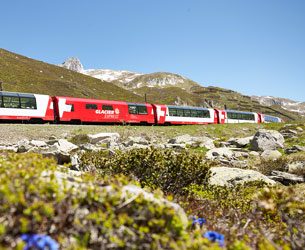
(112, 75)
(286, 104)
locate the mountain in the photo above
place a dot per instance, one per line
(22, 74)
(286, 104)
(73, 64)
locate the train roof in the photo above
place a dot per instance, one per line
(5, 93)
(240, 112)
(181, 107)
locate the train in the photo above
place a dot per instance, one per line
(36, 108)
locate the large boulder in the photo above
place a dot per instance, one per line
(224, 176)
(267, 140)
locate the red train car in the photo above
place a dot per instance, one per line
(70, 109)
(26, 107)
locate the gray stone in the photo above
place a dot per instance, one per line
(23, 146)
(65, 146)
(225, 176)
(36, 143)
(102, 136)
(296, 166)
(240, 142)
(193, 141)
(286, 178)
(271, 155)
(294, 149)
(267, 140)
(219, 152)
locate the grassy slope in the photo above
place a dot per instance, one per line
(22, 74)
(218, 97)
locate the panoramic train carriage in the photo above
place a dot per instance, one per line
(166, 114)
(232, 116)
(77, 110)
(269, 118)
(26, 107)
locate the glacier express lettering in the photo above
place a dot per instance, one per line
(104, 112)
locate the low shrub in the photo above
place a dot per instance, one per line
(170, 171)
(34, 198)
(80, 139)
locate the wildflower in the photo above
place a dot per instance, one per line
(215, 237)
(199, 220)
(39, 242)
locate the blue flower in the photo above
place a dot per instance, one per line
(39, 242)
(215, 237)
(199, 220)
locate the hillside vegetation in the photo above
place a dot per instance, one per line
(22, 74)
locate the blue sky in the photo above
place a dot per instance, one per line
(255, 47)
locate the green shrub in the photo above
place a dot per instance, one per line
(34, 199)
(170, 171)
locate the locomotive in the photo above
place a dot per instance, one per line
(59, 109)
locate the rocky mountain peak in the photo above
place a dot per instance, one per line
(73, 64)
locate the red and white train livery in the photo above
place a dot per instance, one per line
(34, 108)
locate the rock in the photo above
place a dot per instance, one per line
(254, 153)
(286, 178)
(294, 149)
(135, 140)
(296, 166)
(89, 147)
(97, 138)
(240, 142)
(267, 140)
(23, 146)
(299, 129)
(65, 146)
(36, 143)
(225, 176)
(193, 141)
(213, 154)
(271, 155)
(289, 133)
(60, 157)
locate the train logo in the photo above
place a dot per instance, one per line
(117, 111)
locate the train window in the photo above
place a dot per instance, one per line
(179, 112)
(172, 112)
(132, 109)
(107, 107)
(187, 112)
(194, 113)
(1, 102)
(206, 114)
(91, 106)
(28, 103)
(11, 102)
(142, 110)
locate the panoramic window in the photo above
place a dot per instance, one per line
(91, 106)
(11, 102)
(172, 112)
(28, 103)
(187, 112)
(179, 112)
(107, 107)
